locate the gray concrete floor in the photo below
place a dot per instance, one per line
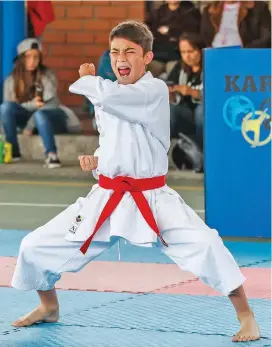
(30, 195)
(71, 170)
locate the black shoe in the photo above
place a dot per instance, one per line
(52, 161)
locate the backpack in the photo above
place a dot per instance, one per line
(186, 154)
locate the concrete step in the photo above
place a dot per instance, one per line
(69, 146)
(70, 171)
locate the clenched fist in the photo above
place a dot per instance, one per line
(86, 69)
(88, 162)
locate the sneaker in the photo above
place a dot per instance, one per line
(16, 159)
(52, 161)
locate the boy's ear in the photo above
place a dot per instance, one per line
(149, 57)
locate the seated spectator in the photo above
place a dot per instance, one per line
(186, 90)
(237, 23)
(186, 109)
(167, 23)
(31, 103)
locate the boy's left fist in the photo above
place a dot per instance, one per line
(88, 162)
(86, 69)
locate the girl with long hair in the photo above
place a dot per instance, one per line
(31, 103)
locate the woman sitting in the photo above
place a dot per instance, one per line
(185, 87)
(31, 103)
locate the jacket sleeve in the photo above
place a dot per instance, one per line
(117, 99)
(264, 41)
(50, 85)
(205, 27)
(153, 20)
(50, 92)
(8, 93)
(29, 105)
(96, 171)
(173, 75)
(145, 102)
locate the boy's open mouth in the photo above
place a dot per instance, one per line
(124, 71)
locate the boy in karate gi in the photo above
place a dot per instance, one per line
(131, 199)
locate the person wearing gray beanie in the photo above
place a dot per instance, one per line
(32, 105)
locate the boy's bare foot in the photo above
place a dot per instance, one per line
(249, 328)
(40, 314)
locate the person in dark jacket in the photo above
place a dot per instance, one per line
(232, 23)
(185, 87)
(167, 23)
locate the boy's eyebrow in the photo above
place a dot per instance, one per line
(127, 49)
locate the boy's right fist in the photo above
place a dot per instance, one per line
(88, 162)
(86, 69)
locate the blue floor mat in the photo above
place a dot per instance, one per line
(127, 320)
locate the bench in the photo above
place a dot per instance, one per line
(69, 146)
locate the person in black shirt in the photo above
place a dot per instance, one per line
(185, 88)
(167, 23)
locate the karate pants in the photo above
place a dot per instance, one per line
(45, 254)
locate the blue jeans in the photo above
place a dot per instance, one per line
(47, 121)
(188, 121)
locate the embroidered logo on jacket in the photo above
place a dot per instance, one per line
(75, 224)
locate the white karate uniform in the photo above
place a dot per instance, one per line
(133, 122)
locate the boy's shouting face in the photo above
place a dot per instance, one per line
(128, 60)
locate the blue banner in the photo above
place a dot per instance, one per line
(12, 32)
(237, 98)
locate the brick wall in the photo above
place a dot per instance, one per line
(80, 34)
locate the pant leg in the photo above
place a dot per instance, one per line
(194, 247)
(50, 122)
(181, 120)
(199, 121)
(12, 115)
(45, 253)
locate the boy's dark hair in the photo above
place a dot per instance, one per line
(136, 32)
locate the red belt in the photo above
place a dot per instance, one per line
(120, 185)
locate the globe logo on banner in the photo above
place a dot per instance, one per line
(240, 114)
(235, 109)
